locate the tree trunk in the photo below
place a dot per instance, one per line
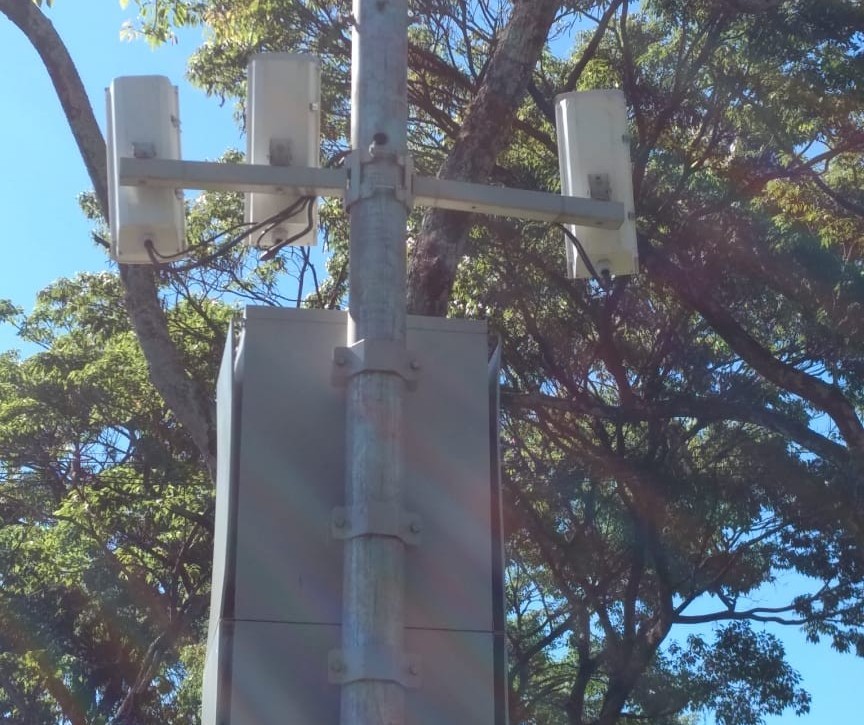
(483, 136)
(181, 393)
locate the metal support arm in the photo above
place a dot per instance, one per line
(425, 191)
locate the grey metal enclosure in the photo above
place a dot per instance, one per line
(277, 567)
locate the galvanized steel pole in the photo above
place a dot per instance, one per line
(374, 577)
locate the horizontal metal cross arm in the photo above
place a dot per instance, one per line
(426, 191)
(540, 206)
(213, 176)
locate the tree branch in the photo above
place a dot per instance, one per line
(694, 292)
(484, 133)
(182, 394)
(591, 48)
(706, 409)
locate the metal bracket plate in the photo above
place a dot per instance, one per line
(364, 180)
(280, 152)
(405, 191)
(143, 150)
(376, 520)
(385, 356)
(369, 663)
(600, 187)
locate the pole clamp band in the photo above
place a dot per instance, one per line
(372, 663)
(382, 519)
(383, 356)
(368, 174)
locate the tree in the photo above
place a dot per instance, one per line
(106, 520)
(674, 439)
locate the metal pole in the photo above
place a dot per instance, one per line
(373, 579)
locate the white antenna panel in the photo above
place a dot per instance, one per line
(594, 159)
(147, 224)
(283, 129)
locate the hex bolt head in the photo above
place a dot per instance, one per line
(415, 364)
(416, 527)
(340, 360)
(339, 521)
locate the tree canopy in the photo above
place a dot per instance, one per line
(672, 441)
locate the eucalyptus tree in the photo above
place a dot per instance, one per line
(673, 441)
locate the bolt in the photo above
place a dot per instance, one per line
(416, 527)
(337, 665)
(413, 669)
(339, 520)
(415, 364)
(379, 140)
(340, 360)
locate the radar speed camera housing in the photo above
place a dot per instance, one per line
(147, 223)
(594, 159)
(283, 129)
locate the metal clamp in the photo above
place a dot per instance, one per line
(370, 663)
(366, 177)
(280, 152)
(600, 187)
(385, 356)
(143, 150)
(384, 519)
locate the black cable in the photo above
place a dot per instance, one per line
(160, 260)
(267, 224)
(276, 219)
(602, 280)
(193, 247)
(274, 250)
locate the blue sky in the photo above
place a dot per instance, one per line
(47, 237)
